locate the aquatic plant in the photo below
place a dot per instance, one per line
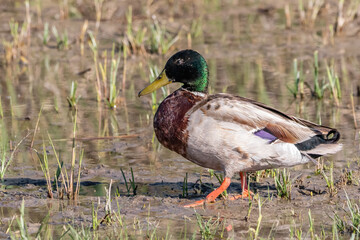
(256, 176)
(160, 40)
(107, 219)
(98, 9)
(283, 183)
(72, 99)
(339, 225)
(308, 11)
(113, 93)
(350, 223)
(15, 49)
(350, 176)
(74, 194)
(298, 87)
(94, 48)
(67, 180)
(5, 156)
(209, 229)
(311, 223)
(94, 215)
(135, 38)
(125, 52)
(254, 233)
(139, 41)
(195, 32)
(22, 228)
(247, 217)
(62, 41)
(353, 110)
(287, 15)
(309, 14)
(101, 69)
(185, 187)
(298, 234)
(330, 180)
(345, 14)
(354, 215)
(196, 29)
(131, 184)
(319, 88)
(44, 164)
(334, 84)
(82, 36)
(21, 223)
(46, 34)
(80, 233)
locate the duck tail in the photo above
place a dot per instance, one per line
(323, 143)
(324, 150)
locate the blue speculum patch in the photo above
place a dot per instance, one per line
(264, 134)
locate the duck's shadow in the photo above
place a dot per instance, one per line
(155, 189)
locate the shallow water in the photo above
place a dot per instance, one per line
(250, 53)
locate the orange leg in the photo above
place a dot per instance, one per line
(243, 181)
(213, 195)
(245, 191)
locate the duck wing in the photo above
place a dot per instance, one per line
(268, 123)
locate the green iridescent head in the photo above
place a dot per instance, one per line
(187, 67)
(190, 68)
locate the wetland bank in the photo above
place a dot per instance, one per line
(79, 158)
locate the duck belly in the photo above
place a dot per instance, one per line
(230, 147)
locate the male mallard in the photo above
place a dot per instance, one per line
(230, 133)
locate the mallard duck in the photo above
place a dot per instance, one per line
(230, 133)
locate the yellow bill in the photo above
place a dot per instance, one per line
(159, 82)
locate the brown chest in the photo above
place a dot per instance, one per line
(170, 121)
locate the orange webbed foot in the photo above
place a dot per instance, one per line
(213, 195)
(195, 204)
(245, 194)
(224, 185)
